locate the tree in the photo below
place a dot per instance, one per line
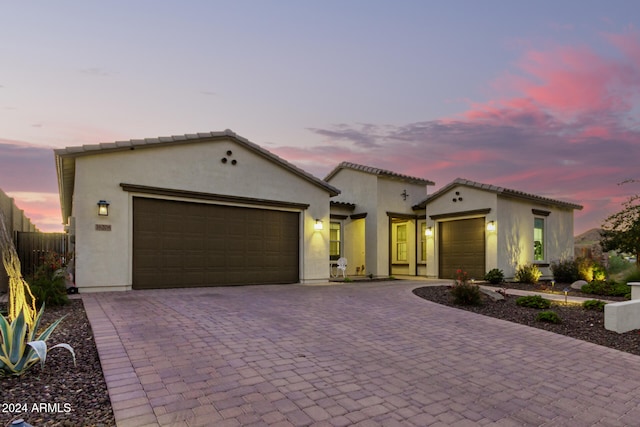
(621, 231)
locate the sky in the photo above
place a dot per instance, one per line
(541, 97)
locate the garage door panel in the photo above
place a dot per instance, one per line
(462, 245)
(180, 244)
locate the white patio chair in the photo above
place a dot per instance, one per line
(342, 266)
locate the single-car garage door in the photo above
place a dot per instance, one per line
(183, 244)
(461, 246)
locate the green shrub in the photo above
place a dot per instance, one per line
(548, 316)
(594, 304)
(494, 276)
(533, 301)
(528, 273)
(618, 264)
(633, 276)
(48, 282)
(466, 294)
(564, 271)
(610, 288)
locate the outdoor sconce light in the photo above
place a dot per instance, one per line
(103, 208)
(491, 226)
(318, 225)
(428, 231)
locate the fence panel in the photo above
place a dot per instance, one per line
(33, 246)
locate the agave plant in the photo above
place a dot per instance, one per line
(20, 349)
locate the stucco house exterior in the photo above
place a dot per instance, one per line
(192, 210)
(216, 209)
(373, 222)
(478, 227)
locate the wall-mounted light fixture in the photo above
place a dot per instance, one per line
(491, 226)
(428, 231)
(103, 208)
(318, 225)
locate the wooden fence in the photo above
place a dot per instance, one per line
(32, 247)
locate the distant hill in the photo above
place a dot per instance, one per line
(589, 237)
(587, 244)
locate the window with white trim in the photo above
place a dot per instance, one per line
(538, 239)
(401, 242)
(335, 242)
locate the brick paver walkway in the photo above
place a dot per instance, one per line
(368, 354)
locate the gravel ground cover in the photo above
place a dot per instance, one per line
(60, 394)
(577, 322)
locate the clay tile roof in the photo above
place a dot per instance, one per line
(65, 158)
(378, 172)
(507, 192)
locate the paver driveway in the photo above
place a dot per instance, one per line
(352, 354)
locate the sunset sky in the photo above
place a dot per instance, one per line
(542, 97)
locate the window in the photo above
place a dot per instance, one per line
(423, 242)
(335, 232)
(538, 239)
(401, 242)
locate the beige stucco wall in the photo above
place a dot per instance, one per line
(472, 199)
(512, 242)
(515, 234)
(103, 258)
(377, 195)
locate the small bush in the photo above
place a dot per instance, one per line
(594, 304)
(48, 282)
(564, 271)
(528, 273)
(618, 264)
(548, 316)
(610, 288)
(466, 294)
(633, 276)
(494, 276)
(533, 301)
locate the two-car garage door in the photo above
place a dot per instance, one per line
(184, 244)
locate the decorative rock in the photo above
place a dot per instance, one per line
(495, 296)
(578, 284)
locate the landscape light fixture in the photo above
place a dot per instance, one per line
(491, 226)
(318, 225)
(428, 231)
(103, 208)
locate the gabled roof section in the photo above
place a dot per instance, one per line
(65, 159)
(506, 192)
(378, 172)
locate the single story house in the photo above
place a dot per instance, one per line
(216, 209)
(191, 210)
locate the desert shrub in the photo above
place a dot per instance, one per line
(48, 282)
(589, 270)
(618, 264)
(564, 271)
(533, 301)
(466, 294)
(606, 288)
(633, 276)
(494, 276)
(528, 273)
(549, 317)
(594, 304)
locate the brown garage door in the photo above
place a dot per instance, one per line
(180, 244)
(461, 245)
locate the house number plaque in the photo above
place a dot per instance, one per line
(103, 227)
